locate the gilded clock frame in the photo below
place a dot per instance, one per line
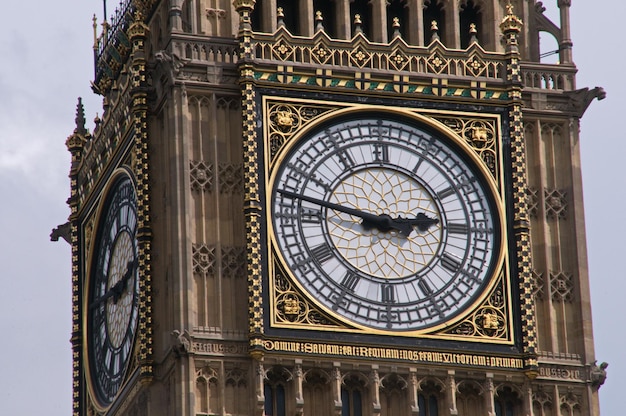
(91, 230)
(489, 319)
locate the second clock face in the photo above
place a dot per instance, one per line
(113, 303)
(384, 223)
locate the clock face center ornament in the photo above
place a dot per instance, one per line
(121, 277)
(379, 249)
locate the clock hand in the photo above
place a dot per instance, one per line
(118, 288)
(382, 222)
(421, 221)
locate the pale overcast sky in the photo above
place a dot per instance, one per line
(47, 62)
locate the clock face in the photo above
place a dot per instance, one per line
(384, 223)
(113, 298)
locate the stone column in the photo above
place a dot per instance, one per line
(175, 13)
(307, 17)
(413, 392)
(378, 21)
(336, 389)
(375, 390)
(343, 20)
(489, 392)
(452, 29)
(451, 393)
(297, 382)
(565, 43)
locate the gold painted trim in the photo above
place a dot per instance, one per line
(428, 118)
(348, 351)
(96, 218)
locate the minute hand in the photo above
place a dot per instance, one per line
(382, 222)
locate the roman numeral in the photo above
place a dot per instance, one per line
(381, 152)
(388, 295)
(417, 165)
(311, 215)
(349, 281)
(344, 157)
(456, 228)
(322, 253)
(425, 287)
(450, 263)
(446, 193)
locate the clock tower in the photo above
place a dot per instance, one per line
(331, 207)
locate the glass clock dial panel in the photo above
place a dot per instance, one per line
(384, 223)
(113, 301)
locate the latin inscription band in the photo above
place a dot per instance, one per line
(393, 354)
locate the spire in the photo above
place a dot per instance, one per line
(77, 140)
(80, 118)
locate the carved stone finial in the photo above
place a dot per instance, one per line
(511, 26)
(357, 24)
(539, 8)
(280, 16)
(435, 29)
(473, 33)
(95, 31)
(319, 21)
(396, 27)
(511, 23)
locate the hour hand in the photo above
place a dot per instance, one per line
(422, 221)
(383, 222)
(118, 288)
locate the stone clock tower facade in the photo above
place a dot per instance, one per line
(331, 207)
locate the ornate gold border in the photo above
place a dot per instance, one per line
(511, 27)
(130, 151)
(478, 133)
(90, 228)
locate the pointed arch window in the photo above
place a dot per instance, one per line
(291, 10)
(352, 392)
(506, 402)
(274, 390)
(398, 9)
(470, 15)
(316, 392)
(469, 398)
(327, 8)
(364, 10)
(434, 12)
(274, 399)
(428, 398)
(428, 405)
(206, 391)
